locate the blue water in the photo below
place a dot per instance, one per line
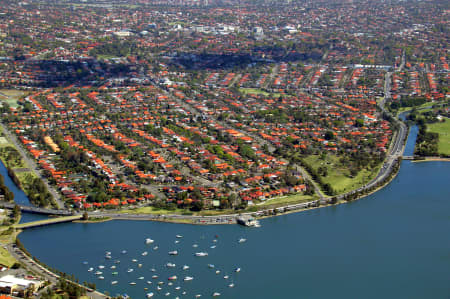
(392, 244)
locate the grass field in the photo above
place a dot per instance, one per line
(286, 200)
(339, 176)
(11, 96)
(257, 91)
(443, 129)
(5, 258)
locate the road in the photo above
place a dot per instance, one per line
(43, 272)
(32, 165)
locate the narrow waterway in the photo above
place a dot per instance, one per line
(19, 196)
(392, 244)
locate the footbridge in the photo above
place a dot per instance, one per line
(47, 222)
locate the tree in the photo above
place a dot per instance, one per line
(85, 216)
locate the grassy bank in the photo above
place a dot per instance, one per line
(11, 96)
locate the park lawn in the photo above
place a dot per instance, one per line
(339, 176)
(258, 91)
(286, 200)
(443, 129)
(420, 107)
(12, 160)
(156, 211)
(5, 258)
(12, 96)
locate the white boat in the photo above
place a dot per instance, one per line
(183, 293)
(188, 278)
(195, 245)
(201, 254)
(178, 288)
(242, 240)
(144, 253)
(170, 265)
(101, 267)
(134, 260)
(124, 251)
(132, 283)
(130, 270)
(212, 247)
(139, 265)
(101, 277)
(108, 253)
(98, 273)
(226, 277)
(185, 267)
(114, 282)
(231, 285)
(174, 277)
(141, 278)
(237, 270)
(216, 294)
(179, 236)
(169, 284)
(149, 295)
(217, 271)
(155, 248)
(108, 257)
(155, 276)
(149, 282)
(117, 262)
(210, 266)
(90, 269)
(176, 241)
(85, 263)
(174, 252)
(153, 269)
(158, 288)
(198, 296)
(113, 267)
(167, 294)
(160, 283)
(149, 241)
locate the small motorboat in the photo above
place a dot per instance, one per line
(174, 252)
(226, 277)
(242, 240)
(141, 278)
(132, 283)
(134, 260)
(217, 271)
(115, 273)
(101, 267)
(90, 269)
(188, 278)
(212, 247)
(130, 270)
(170, 283)
(144, 253)
(170, 265)
(179, 236)
(149, 295)
(216, 294)
(155, 248)
(174, 277)
(231, 285)
(167, 294)
(198, 296)
(237, 270)
(114, 282)
(149, 282)
(113, 267)
(195, 245)
(178, 288)
(98, 273)
(158, 288)
(210, 266)
(185, 267)
(85, 263)
(124, 251)
(201, 254)
(155, 276)
(149, 241)
(139, 265)
(101, 277)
